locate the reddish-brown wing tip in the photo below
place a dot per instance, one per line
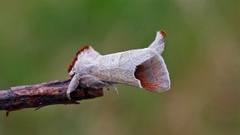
(164, 34)
(152, 75)
(75, 59)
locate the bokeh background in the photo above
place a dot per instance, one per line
(38, 40)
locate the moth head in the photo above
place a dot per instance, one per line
(75, 59)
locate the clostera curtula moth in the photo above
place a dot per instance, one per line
(144, 68)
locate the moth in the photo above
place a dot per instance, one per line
(144, 68)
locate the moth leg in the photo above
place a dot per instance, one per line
(114, 87)
(92, 82)
(85, 81)
(73, 85)
(95, 82)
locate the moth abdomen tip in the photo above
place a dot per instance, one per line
(163, 33)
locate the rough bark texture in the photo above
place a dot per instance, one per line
(39, 95)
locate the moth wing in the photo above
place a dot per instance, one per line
(153, 74)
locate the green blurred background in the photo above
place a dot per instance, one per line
(38, 40)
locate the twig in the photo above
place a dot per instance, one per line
(39, 95)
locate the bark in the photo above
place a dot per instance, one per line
(40, 95)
